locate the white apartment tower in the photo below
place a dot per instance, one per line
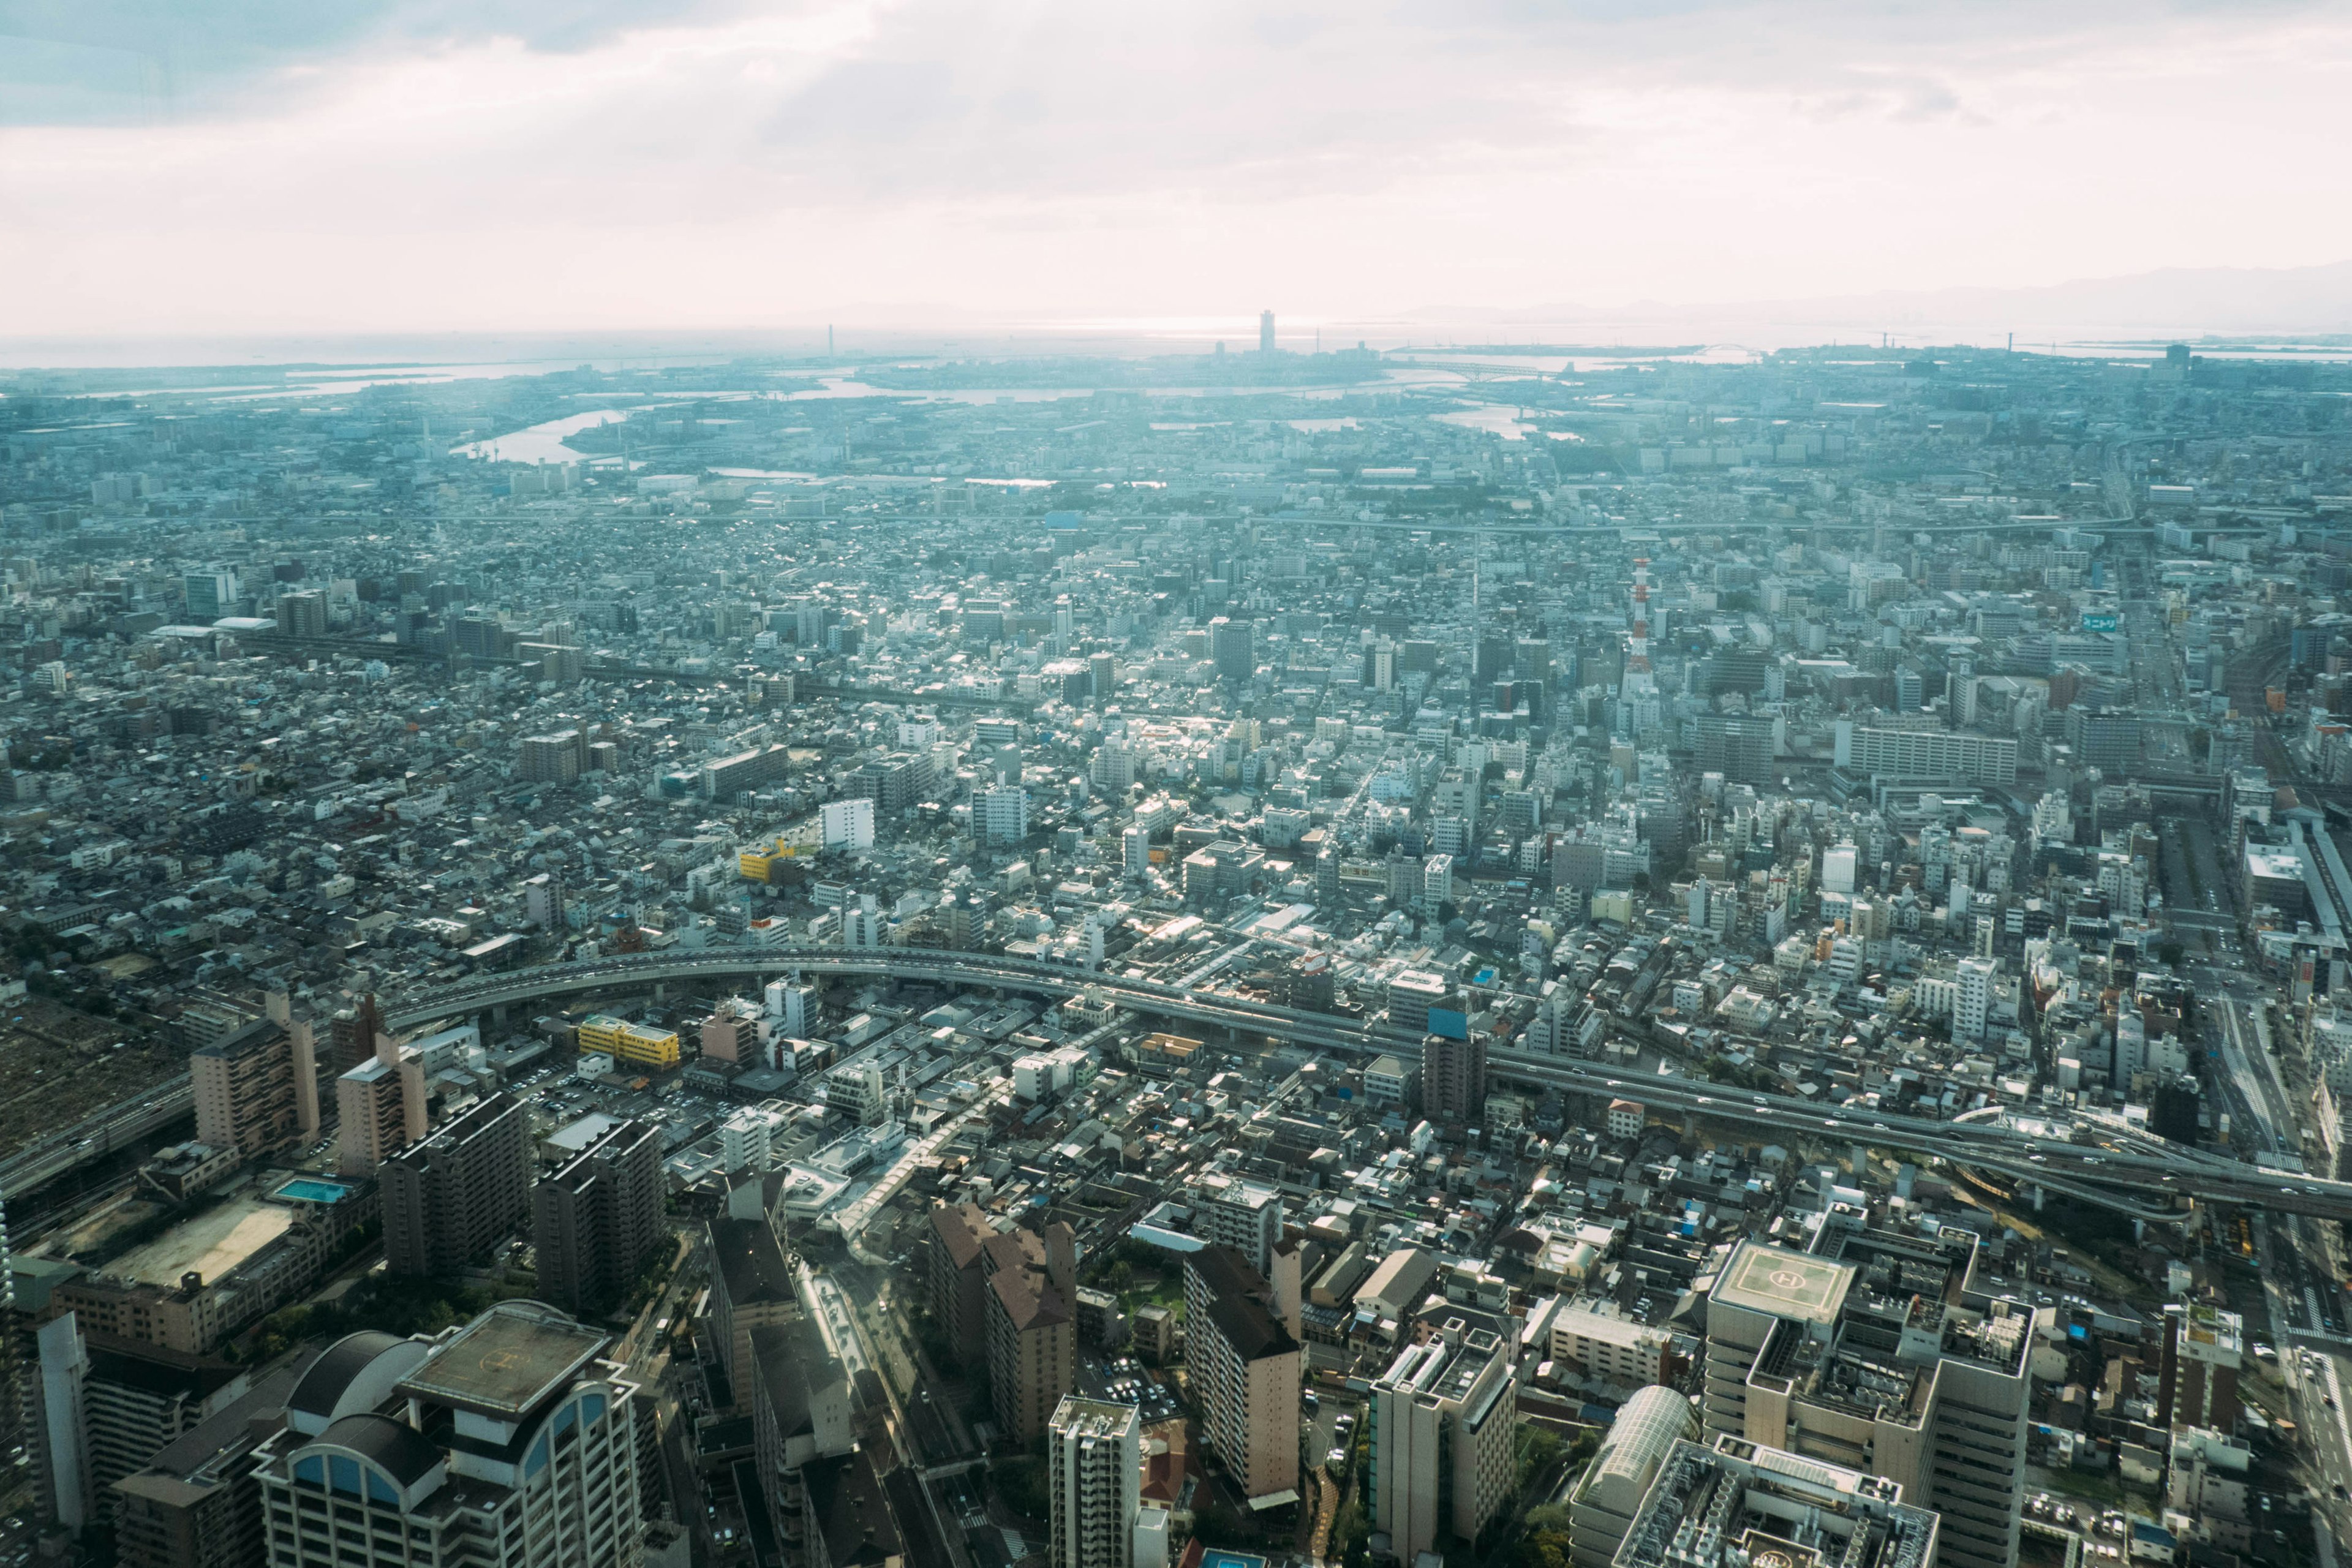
(1971, 997)
(1094, 1461)
(1442, 1421)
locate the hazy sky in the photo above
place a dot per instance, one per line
(306, 165)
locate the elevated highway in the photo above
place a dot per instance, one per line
(2131, 1177)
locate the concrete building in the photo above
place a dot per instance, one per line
(510, 1442)
(1246, 1367)
(598, 1220)
(1094, 1475)
(1878, 1351)
(197, 1503)
(244, 1090)
(1453, 1080)
(752, 1288)
(450, 1199)
(1032, 1326)
(1972, 998)
(959, 1280)
(1615, 1349)
(1926, 756)
(2196, 1378)
(371, 1117)
(1442, 1419)
(798, 1395)
(1603, 1506)
(1735, 1503)
(1244, 1215)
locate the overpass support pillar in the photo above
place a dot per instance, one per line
(2037, 1200)
(661, 989)
(1860, 1163)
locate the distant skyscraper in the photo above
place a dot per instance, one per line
(1265, 331)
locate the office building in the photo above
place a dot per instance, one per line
(210, 595)
(1610, 1494)
(1879, 1350)
(244, 1090)
(1094, 1477)
(1032, 1326)
(449, 1200)
(1739, 1504)
(1245, 1366)
(1739, 746)
(1453, 1080)
(635, 1044)
(598, 1220)
(1442, 1420)
(507, 1442)
(1233, 648)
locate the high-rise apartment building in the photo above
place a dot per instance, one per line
(1441, 1418)
(557, 759)
(1031, 1310)
(1094, 1473)
(959, 1278)
(302, 615)
(450, 1199)
(751, 1288)
(1912, 1371)
(371, 1104)
(244, 1087)
(197, 1503)
(1244, 1215)
(1926, 756)
(507, 1442)
(1003, 812)
(1453, 1080)
(598, 1217)
(1245, 1365)
(1972, 998)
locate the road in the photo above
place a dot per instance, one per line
(2142, 1178)
(2292, 1250)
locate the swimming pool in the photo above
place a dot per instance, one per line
(307, 1190)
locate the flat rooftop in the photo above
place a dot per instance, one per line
(507, 1361)
(213, 1243)
(1783, 1284)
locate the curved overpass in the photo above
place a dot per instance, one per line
(2123, 1179)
